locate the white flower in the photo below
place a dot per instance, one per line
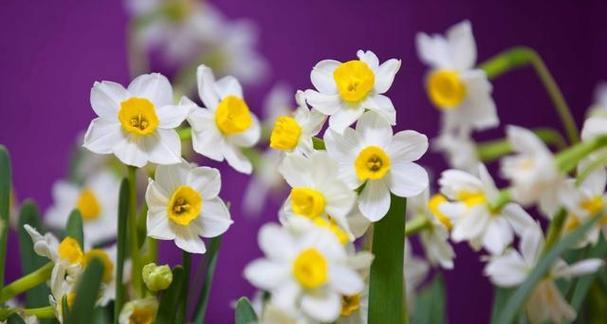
(355, 308)
(462, 92)
(277, 103)
(345, 90)
(226, 124)
(316, 191)
(416, 270)
(294, 133)
(139, 311)
(512, 268)
(383, 162)
(306, 272)
(136, 124)
(459, 148)
(97, 201)
(532, 171)
(183, 204)
(435, 238)
(473, 220)
(264, 182)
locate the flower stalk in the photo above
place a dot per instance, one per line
(492, 150)
(26, 282)
(568, 159)
(46, 312)
(132, 231)
(417, 225)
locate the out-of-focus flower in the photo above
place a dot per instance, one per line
(277, 103)
(459, 148)
(97, 201)
(136, 124)
(264, 182)
(307, 273)
(355, 308)
(416, 270)
(473, 220)
(345, 90)
(545, 304)
(372, 156)
(183, 205)
(532, 171)
(226, 124)
(108, 280)
(139, 311)
(460, 91)
(434, 238)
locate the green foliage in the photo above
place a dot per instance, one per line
(169, 303)
(244, 313)
(210, 264)
(87, 292)
(74, 227)
(430, 304)
(121, 242)
(5, 201)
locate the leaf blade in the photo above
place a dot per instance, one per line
(244, 313)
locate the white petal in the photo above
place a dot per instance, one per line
(154, 86)
(229, 86)
(214, 219)
(384, 76)
(106, 97)
(498, 236)
(172, 116)
(524, 140)
(237, 160)
(408, 146)
(188, 241)
(462, 45)
(532, 243)
(381, 105)
(580, 268)
(368, 57)
(324, 103)
(275, 242)
(594, 126)
(322, 76)
(205, 180)
(433, 50)
(206, 138)
(131, 151)
(472, 225)
(519, 219)
(294, 168)
(265, 274)
(163, 146)
(344, 117)
(322, 307)
(169, 177)
(206, 87)
(155, 196)
(407, 179)
(346, 281)
(158, 226)
(102, 135)
(249, 137)
(374, 129)
(374, 201)
(508, 270)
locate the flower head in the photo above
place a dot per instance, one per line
(139, 311)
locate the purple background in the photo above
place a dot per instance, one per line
(52, 51)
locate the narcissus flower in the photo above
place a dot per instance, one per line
(416, 270)
(307, 273)
(139, 311)
(226, 124)
(97, 201)
(454, 86)
(136, 124)
(469, 210)
(183, 205)
(345, 90)
(459, 148)
(383, 162)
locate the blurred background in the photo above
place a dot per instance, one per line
(51, 52)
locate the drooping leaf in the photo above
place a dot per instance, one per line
(74, 227)
(501, 296)
(210, 264)
(123, 214)
(244, 313)
(386, 295)
(169, 303)
(87, 291)
(5, 201)
(430, 304)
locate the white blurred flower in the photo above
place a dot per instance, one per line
(345, 90)
(545, 303)
(473, 220)
(532, 171)
(136, 124)
(97, 201)
(263, 183)
(355, 308)
(454, 86)
(183, 205)
(459, 148)
(416, 270)
(277, 103)
(226, 125)
(307, 273)
(139, 311)
(383, 162)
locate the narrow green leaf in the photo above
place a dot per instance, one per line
(210, 264)
(87, 291)
(511, 310)
(5, 200)
(244, 313)
(169, 303)
(74, 227)
(386, 297)
(121, 242)
(430, 304)
(15, 319)
(182, 311)
(500, 298)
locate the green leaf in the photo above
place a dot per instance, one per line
(430, 304)
(30, 261)
(386, 296)
(121, 242)
(244, 313)
(500, 298)
(87, 291)
(74, 227)
(210, 263)
(511, 310)
(5, 201)
(169, 303)
(15, 319)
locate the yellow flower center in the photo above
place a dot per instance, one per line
(434, 204)
(472, 198)
(446, 89)
(372, 163)
(185, 205)
(354, 80)
(572, 222)
(138, 116)
(332, 226)
(349, 304)
(70, 251)
(88, 205)
(285, 134)
(307, 202)
(593, 205)
(108, 265)
(143, 315)
(310, 268)
(233, 115)
(69, 298)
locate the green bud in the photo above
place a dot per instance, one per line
(156, 277)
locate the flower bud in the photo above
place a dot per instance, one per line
(156, 277)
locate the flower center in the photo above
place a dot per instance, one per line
(310, 268)
(472, 198)
(88, 205)
(70, 251)
(108, 265)
(446, 89)
(434, 204)
(142, 315)
(307, 202)
(593, 205)
(185, 205)
(354, 80)
(332, 226)
(349, 304)
(285, 134)
(233, 115)
(138, 116)
(372, 163)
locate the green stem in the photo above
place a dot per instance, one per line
(5, 203)
(318, 143)
(568, 159)
(185, 133)
(502, 199)
(46, 312)
(492, 150)
(522, 56)
(26, 282)
(591, 167)
(554, 230)
(182, 313)
(132, 229)
(417, 225)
